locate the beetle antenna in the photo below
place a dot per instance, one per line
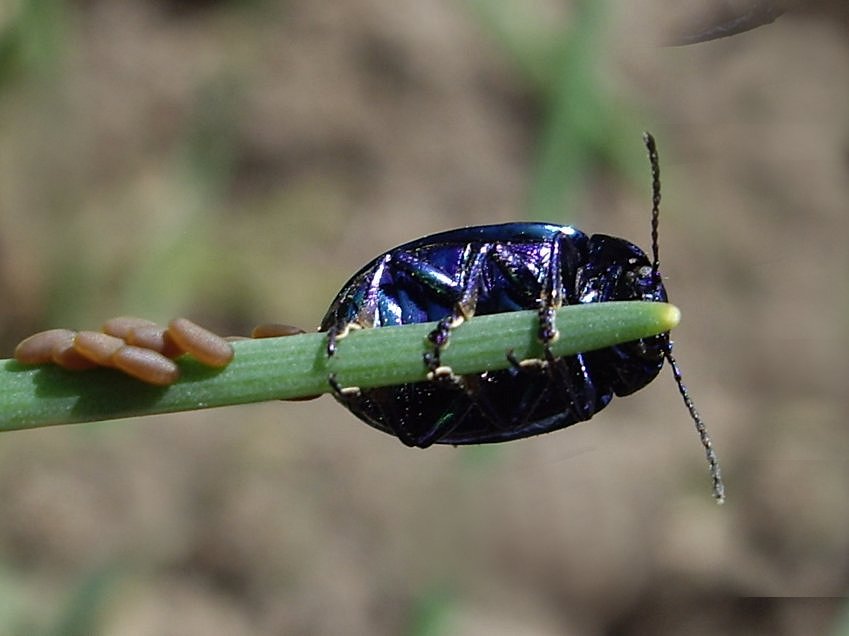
(701, 429)
(713, 461)
(648, 140)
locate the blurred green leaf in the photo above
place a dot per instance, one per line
(432, 612)
(31, 43)
(82, 613)
(583, 124)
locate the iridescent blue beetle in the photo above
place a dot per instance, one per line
(451, 276)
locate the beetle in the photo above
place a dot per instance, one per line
(451, 276)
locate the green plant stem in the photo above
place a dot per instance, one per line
(297, 366)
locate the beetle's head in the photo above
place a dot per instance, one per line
(616, 269)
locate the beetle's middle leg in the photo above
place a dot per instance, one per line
(460, 291)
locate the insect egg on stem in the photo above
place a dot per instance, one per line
(123, 326)
(208, 347)
(97, 347)
(146, 365)
(38, 348)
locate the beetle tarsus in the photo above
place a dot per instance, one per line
(342, 393)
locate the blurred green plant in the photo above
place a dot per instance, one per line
(23, 611)
(184, 249)
(841, 623)
(82, 612)
(16, 606)
(433, 610)
(582, 123)
(297, 366)
(31, 39)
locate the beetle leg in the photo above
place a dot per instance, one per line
(442, 285)
(343, 394)
(549, 277)
(479, 399)
(522, 274)
(533, 367)
(365, 316)
(336, 333)
(513, 360)
(392, 419)
(530, 399)
(466, 285)
(527, 365)
(572, 375)
(559, 370)
(464, 308)
(452, 417)
(442, 428)
(543, 279)
(551, 299)
(439, 339)
(458, 290)
(567, 377)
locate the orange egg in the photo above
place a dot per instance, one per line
(38, 348)
(209, 348)
(146, 365)
(274, 330)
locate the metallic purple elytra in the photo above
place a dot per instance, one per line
(451, 276)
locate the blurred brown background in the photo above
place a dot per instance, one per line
(236, 161)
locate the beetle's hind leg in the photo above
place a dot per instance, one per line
(336, 332)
